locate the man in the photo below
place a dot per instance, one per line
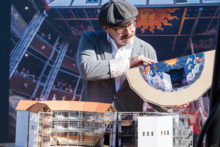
(103, 57)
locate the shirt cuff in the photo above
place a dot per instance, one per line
(118, 67)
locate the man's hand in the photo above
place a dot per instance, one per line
(139, 61)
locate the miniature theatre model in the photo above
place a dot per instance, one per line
(74, 123)
(62, 123)
(173, 82)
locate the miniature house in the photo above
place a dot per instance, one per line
(63, 123)
(141, 128)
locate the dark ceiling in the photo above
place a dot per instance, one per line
(167, 29)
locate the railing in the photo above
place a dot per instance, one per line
(18, 25)
(22, 85)
(140, 3)
(70, 63)
(53, 72)
(37, 45)
(17, 84)
(21, 47)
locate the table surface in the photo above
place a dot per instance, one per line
(13, 145)
(7, 144)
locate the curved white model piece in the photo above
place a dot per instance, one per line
(186, 95)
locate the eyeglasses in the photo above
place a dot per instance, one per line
(121, 29)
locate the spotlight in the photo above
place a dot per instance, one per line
(26, 54)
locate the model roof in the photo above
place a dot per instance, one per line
(36, 106)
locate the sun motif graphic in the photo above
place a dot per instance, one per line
(147, 68)
(154, 18)
(171, 62)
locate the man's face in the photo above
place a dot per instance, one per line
(122, 35)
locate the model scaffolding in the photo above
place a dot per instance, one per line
(63, 123)
(74, 123)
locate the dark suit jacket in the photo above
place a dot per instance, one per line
(93, 55)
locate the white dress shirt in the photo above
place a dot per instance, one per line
(120, 61)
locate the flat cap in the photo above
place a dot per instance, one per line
(117, 12)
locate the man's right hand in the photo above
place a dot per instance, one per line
(139, 61)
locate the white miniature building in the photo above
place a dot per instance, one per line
(62, 123)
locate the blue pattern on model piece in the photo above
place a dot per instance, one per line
(174, 74)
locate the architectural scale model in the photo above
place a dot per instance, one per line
(131, 132)
(75, 123)
(63, 123)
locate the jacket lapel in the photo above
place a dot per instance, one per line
(136, 48)
(107, 48)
